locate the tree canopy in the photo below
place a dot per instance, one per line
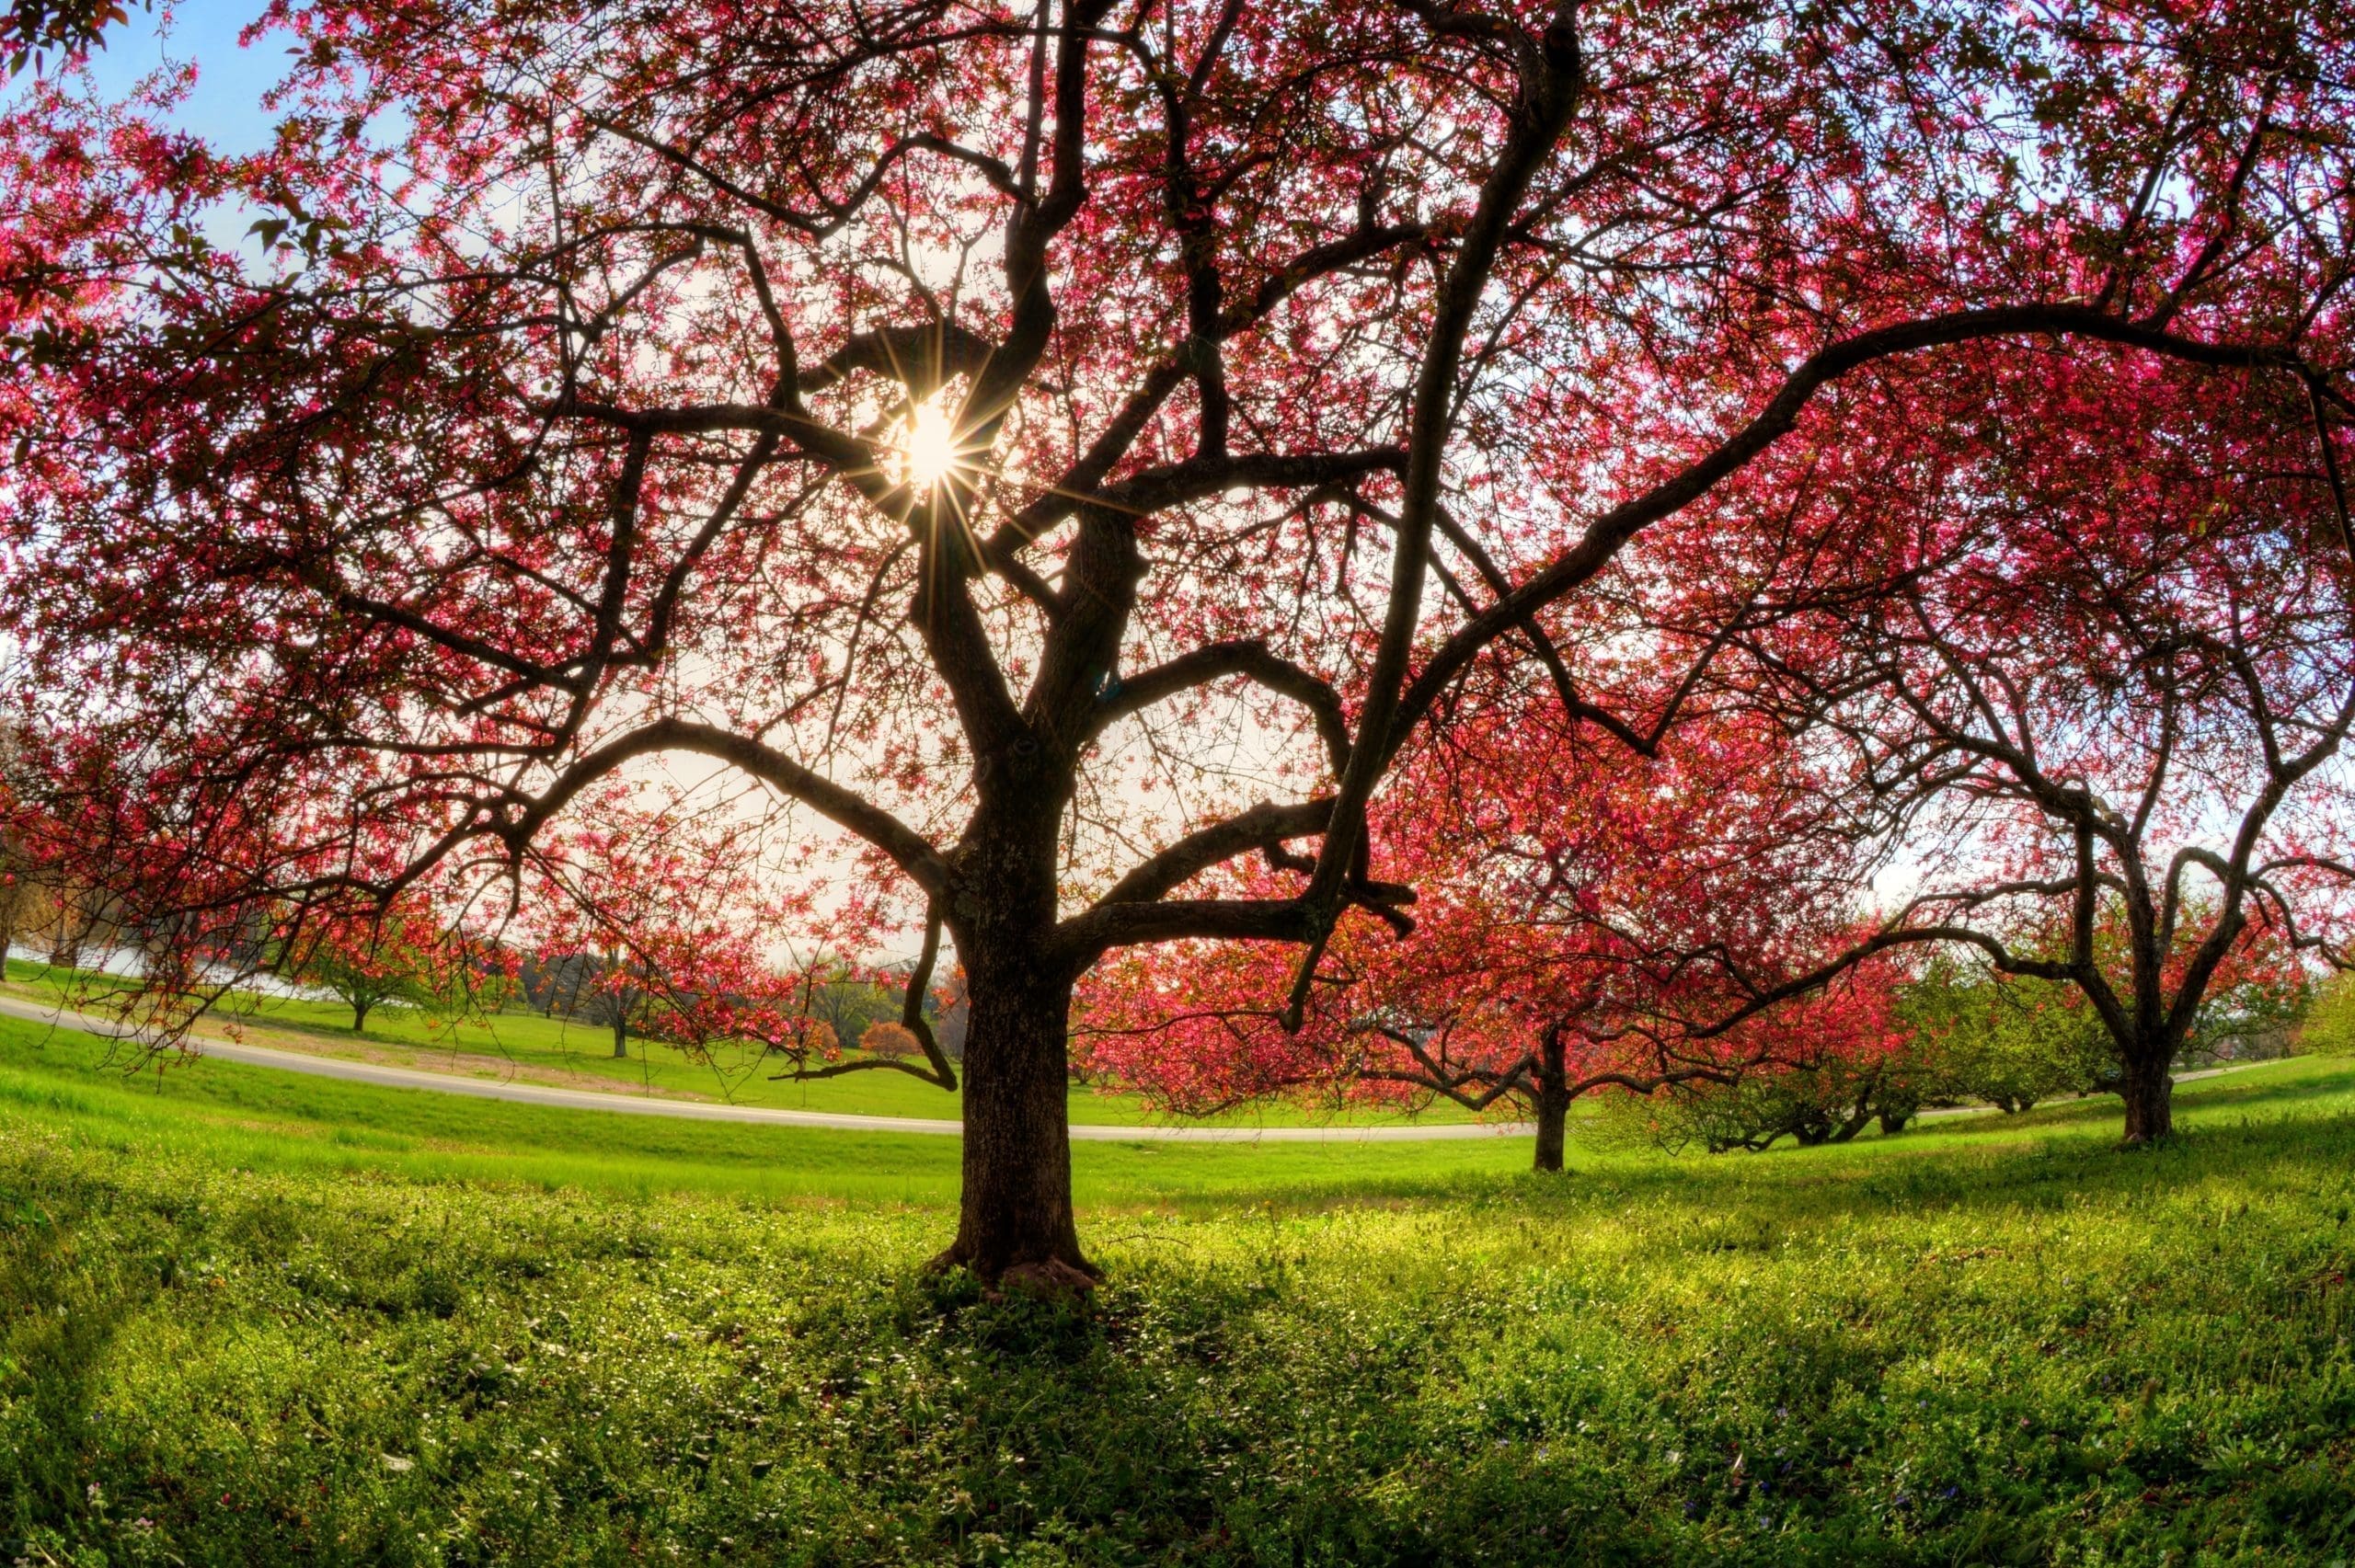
(980, 425)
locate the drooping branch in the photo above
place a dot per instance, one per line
(846, 808)
(1249, 659)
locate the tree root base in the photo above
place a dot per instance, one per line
(1050, 1279)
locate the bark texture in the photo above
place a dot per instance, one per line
(1553, 1103)
(2149, 1090)
(1015, 1223)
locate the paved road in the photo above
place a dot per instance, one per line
(708, 1111)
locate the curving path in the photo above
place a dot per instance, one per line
(706, 1111)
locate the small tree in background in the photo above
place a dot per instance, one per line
(2328, 1027)
(366, 959)
(1588, 916)
(1817, 1067)
(652, 919)
(613, 994)
(850, 998)
(889, 1039)
(2009, 1041)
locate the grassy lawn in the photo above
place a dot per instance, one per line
(580, 1056)
(272, 1122)
(251, 1317)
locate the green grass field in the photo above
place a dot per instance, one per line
(252, 1317)
(528, 1043)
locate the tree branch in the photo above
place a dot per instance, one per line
(1249, 659)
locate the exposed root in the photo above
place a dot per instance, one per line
(1054, 1279)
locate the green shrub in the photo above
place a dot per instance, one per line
(1822, 1102)
(2004, 1040)
(2330, 1025)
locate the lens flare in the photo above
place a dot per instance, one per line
(929, 445)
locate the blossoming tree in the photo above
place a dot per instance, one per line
(1587, 918)
(2104, 707)
(944, 415)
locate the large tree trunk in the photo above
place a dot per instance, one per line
(360, 1015)
(2149, 1090)
(621, 1032)
(1015, 1223)
(1553, 1104)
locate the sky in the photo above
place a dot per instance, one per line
(227, 107)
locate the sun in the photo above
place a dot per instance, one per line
(929, 445)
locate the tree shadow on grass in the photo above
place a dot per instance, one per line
(1824, 1361)
(1370, 1369)
(1890, 1353)
(67, 1296)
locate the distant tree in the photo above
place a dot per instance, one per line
(615, 994)
(2328, 1027)
(651, 920)
(1825, 1088)
(1584, 912)
(2008, 1040)
(365, 959)
(889, 1039)
(2107, 713)
(851, 999)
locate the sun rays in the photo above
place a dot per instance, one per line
(929, 448)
